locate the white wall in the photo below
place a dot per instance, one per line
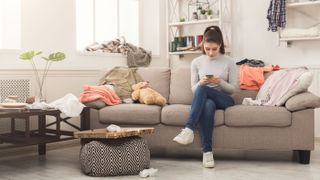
(49, 25)
(251, 38)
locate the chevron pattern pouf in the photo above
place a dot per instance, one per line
(114, 157)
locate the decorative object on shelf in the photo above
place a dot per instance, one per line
(197, 6)
(182, 19)
(186, 43)
(30, 55)
(210, 14)
(203, 14)
(195, 16)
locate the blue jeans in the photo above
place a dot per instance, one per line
(204, 104)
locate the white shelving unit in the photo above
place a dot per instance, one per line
(302, 8)
(301, 4)
(177, 9)
(193, 22)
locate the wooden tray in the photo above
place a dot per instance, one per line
(104, 133)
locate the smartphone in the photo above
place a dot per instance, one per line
(209, 75)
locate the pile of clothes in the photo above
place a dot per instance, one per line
(136, 56)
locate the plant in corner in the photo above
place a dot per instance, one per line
(53, 57)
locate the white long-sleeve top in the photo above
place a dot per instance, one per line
(222, 66)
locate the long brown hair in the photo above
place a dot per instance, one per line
(213, 34)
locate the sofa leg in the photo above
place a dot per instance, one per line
(304, 156)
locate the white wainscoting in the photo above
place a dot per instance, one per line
(58, 83)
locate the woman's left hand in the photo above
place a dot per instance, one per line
(214, 80)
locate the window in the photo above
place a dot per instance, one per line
(105, 20)
(10, 24)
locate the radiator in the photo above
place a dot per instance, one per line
(17, 87)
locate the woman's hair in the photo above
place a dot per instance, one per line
(213, 34)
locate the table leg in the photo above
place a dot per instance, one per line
(85, 119)
(58, 120)
(27, 133)
(13, 125)
(42, 128)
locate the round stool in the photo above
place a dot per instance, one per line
(113, 157)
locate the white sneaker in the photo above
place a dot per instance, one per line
(208, 160)
(184, 137)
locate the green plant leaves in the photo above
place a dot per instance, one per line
(58, 56)
(29, 55)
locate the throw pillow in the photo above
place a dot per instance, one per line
(98, 104)
(304, 81)
(303, 101)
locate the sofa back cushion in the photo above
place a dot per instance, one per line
(180, 86)
(158, 77)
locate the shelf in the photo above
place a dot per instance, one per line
(185, 52)
(214, 20)
(300, 38)
(192, 52)
(300, 4)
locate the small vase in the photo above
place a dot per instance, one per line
(40, 96)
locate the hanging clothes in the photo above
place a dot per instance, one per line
(276, 15)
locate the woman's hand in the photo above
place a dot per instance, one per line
(209, 80)
(204, 81)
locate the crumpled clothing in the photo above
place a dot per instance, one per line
(68, 105)
(148, 172)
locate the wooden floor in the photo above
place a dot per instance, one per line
(62, 162)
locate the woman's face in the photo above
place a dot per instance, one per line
(211, 49)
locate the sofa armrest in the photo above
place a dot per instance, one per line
(303, 101)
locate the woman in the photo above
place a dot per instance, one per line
(211, 75)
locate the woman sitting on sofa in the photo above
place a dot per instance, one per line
(210, 81)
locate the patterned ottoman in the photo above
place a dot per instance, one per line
(113, 157)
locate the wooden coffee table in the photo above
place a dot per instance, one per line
(43, 134)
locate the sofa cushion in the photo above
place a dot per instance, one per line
(303, 101)
(158, 77)
(240, 94)
(241, 115)
(133, 114)
(177, 115)
(97, 104)
(180, 87)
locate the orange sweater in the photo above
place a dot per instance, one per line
(92, 93)
(252, 78)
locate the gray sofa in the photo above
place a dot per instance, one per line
(289, 128)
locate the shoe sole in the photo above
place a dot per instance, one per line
(182, 143)
(208, 165)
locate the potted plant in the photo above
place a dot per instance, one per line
(203, 14)
(210, 14)
(53, 57)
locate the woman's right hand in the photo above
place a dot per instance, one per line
(204, 81)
